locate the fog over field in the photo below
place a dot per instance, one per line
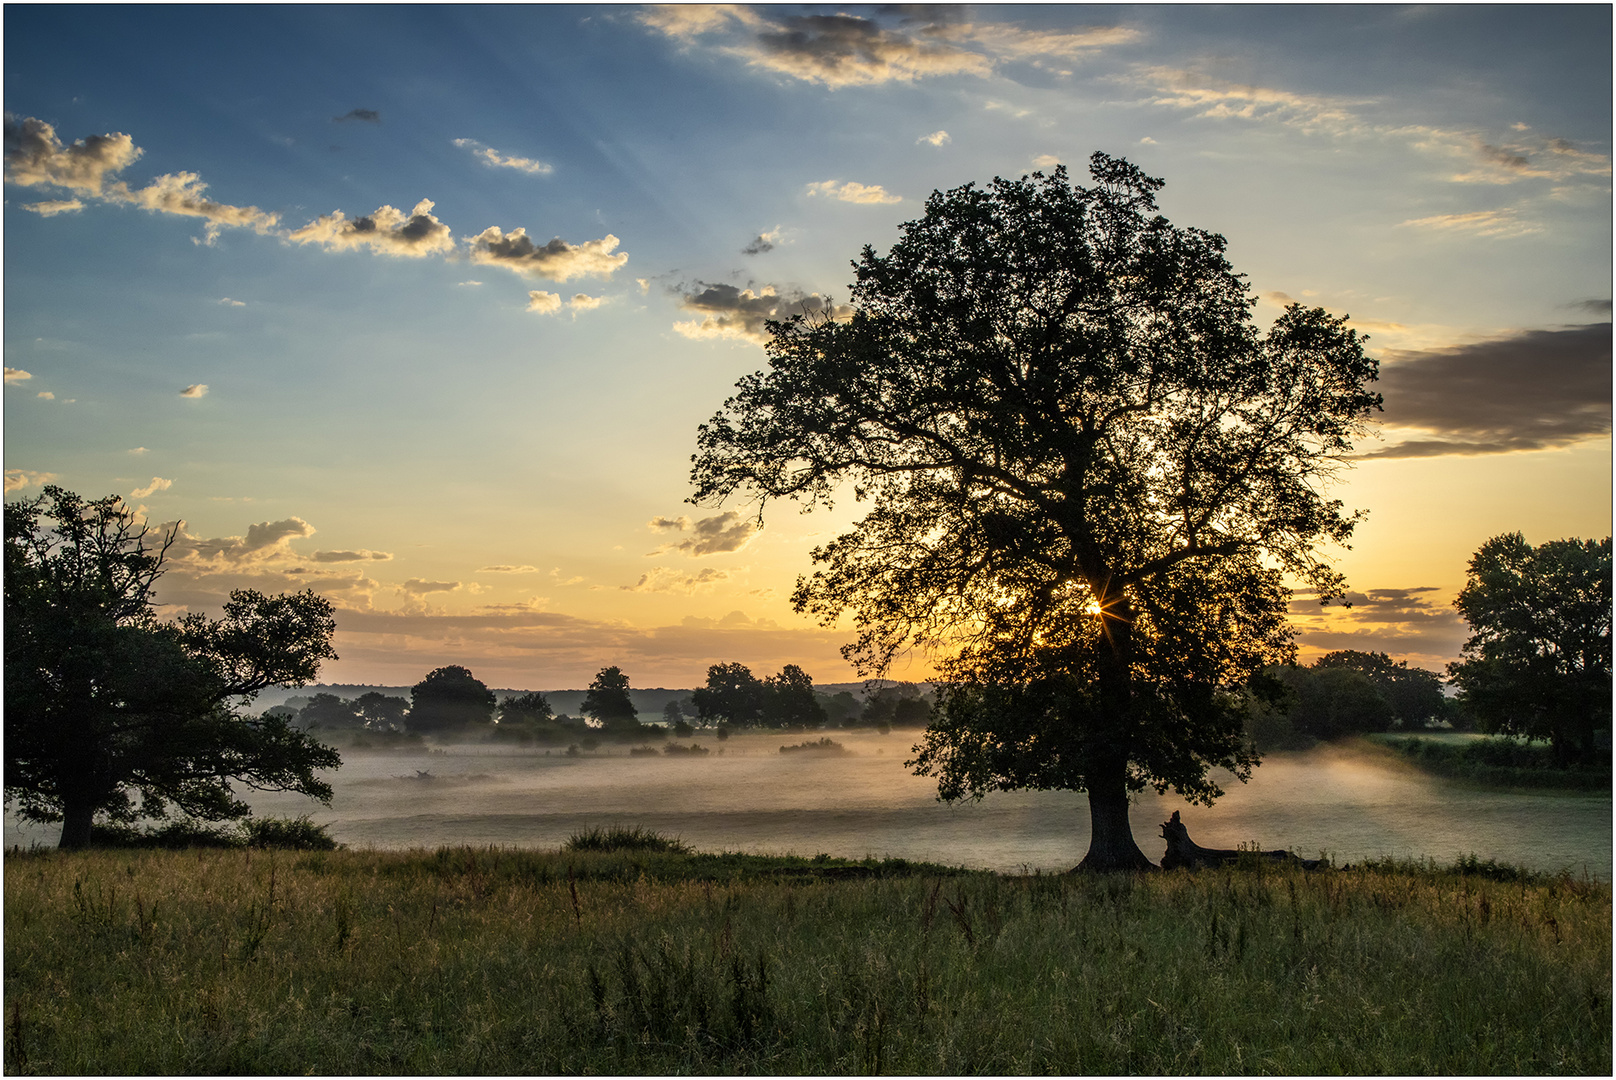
(744, 795)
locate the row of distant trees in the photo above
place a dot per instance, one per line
(451, 702)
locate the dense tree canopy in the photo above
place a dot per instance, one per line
(1088, 475)
(450, 700)
(110, 712)
(789, 701)
(732, 695)
(1537, 664)
(608, 703)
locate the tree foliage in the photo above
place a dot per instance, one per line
(732, 695)
(608, 703)
(789, 700)
(1537, 664)
(450, 700)
(110, 712)
(1088, 476)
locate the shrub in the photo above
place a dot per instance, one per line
(693, 748)
(624, 838)
(643, 751)
(824, 745)
(288, 834)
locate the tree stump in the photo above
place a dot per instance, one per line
(1182, 851)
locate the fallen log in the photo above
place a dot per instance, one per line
(1182, 851)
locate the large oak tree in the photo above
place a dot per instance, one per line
(1089, 476)
(110, 712)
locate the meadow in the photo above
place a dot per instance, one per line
(609, 960)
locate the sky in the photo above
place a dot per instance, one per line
(420, 307)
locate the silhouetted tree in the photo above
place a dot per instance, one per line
(789, 701)
(608, 702)
(1330, 702)
(330, 712)
(1413, 694)
(841, 708)
(109, 712)
(1537, 664)
(733, 695)
(1089, 476)
(450, 701)
(382, 712)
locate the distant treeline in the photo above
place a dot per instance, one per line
(452, 703)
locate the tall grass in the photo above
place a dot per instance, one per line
(623, 961)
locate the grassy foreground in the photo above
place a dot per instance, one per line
(498, 961)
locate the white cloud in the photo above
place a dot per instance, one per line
(46, 394)
(157, 484)
(265, 540)
(556, 260)
(936, 138)
(15, 375)
(853, 192)
(388, 231)
(585, 302)
(545, 303)
(468, 283)
(494, 159)
(1045, 161)
(35, 157)
(225, 301)
(17, 479)
(52, 207)
(195, 390)
(182, 194)
(137, 451)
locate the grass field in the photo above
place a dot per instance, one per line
(490, 961)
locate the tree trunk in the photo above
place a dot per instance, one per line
(1111, 843)
(76, 820)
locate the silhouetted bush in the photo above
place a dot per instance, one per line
(825, 745)
(624, 838)
(693, 748)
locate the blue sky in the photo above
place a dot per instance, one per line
(478, 444)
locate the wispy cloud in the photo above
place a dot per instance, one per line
(357, 555)
(225, 301)
(1495, 223)
(853, 192)
(668, 580)
(387, 231)
(52, 207)
(157, 484)
(364, 116)
(421, 587)
(936, 138)
(494, 159)
(1412, 623)
(508, 569)
(266, 540)
(556, 260)
(182, 194)
(195, 390)
(730, 312)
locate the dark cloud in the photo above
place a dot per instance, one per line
(757, 246)
(716, 535)
(366, 116)
(728, 311)
(1414, 624)
(556, 260)
(1533, 391)
(1592, 306)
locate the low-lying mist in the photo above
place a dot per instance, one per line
(745, 795)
